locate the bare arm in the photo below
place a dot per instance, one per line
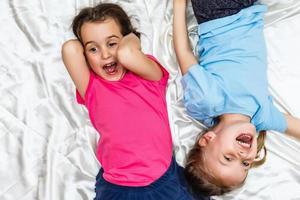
(74, 60)
(293, 126)
(183, 50)
(132, 58)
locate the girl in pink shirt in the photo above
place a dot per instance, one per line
(124, 92)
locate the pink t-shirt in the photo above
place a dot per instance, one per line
(135, 145)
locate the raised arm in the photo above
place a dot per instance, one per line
(132, 58)
(293, 126)
(184, 53)
(74, 60)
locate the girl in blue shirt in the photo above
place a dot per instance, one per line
(227, 91)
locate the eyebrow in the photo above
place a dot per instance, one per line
(109, 37)
(112, 36)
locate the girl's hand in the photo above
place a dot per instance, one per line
(132, 58)
(130, 41)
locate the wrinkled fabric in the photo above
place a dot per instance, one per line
(47, 143)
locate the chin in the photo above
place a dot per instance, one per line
(113, 77)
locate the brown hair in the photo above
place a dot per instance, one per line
(203, 183)
(100, 13)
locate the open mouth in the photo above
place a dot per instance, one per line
(110, 68)
(245, 140)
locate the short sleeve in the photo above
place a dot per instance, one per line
(165, 77)
(79, 98)
(203, 97)
(272, 118)
(279, 121)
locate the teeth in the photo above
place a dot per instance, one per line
(109, 65)
(242, 142)
(245, 144)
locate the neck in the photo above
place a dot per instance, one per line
(230, 118)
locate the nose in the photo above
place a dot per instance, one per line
(242, 154)
(246, 155)
(105, 53)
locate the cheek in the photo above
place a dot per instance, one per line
(92, 60)
(210, 153)
(114, 51)
(253, 152)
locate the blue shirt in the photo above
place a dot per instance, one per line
(231, 76)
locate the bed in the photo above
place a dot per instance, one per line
(47, 143)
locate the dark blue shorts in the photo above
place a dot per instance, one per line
(167, 187)
(206, 10)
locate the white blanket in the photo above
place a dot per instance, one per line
(47, 143)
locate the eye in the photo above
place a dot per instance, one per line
(112, 44)
(228, 158)
(246, 163)
(93, 49)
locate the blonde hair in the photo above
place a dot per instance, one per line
(199, 178)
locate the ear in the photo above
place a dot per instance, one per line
(206, 138)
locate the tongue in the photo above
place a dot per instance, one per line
(244, 138)
(110, 69)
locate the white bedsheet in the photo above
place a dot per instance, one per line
(47, 141)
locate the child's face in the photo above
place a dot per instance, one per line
(101, 41)
(228, 153)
